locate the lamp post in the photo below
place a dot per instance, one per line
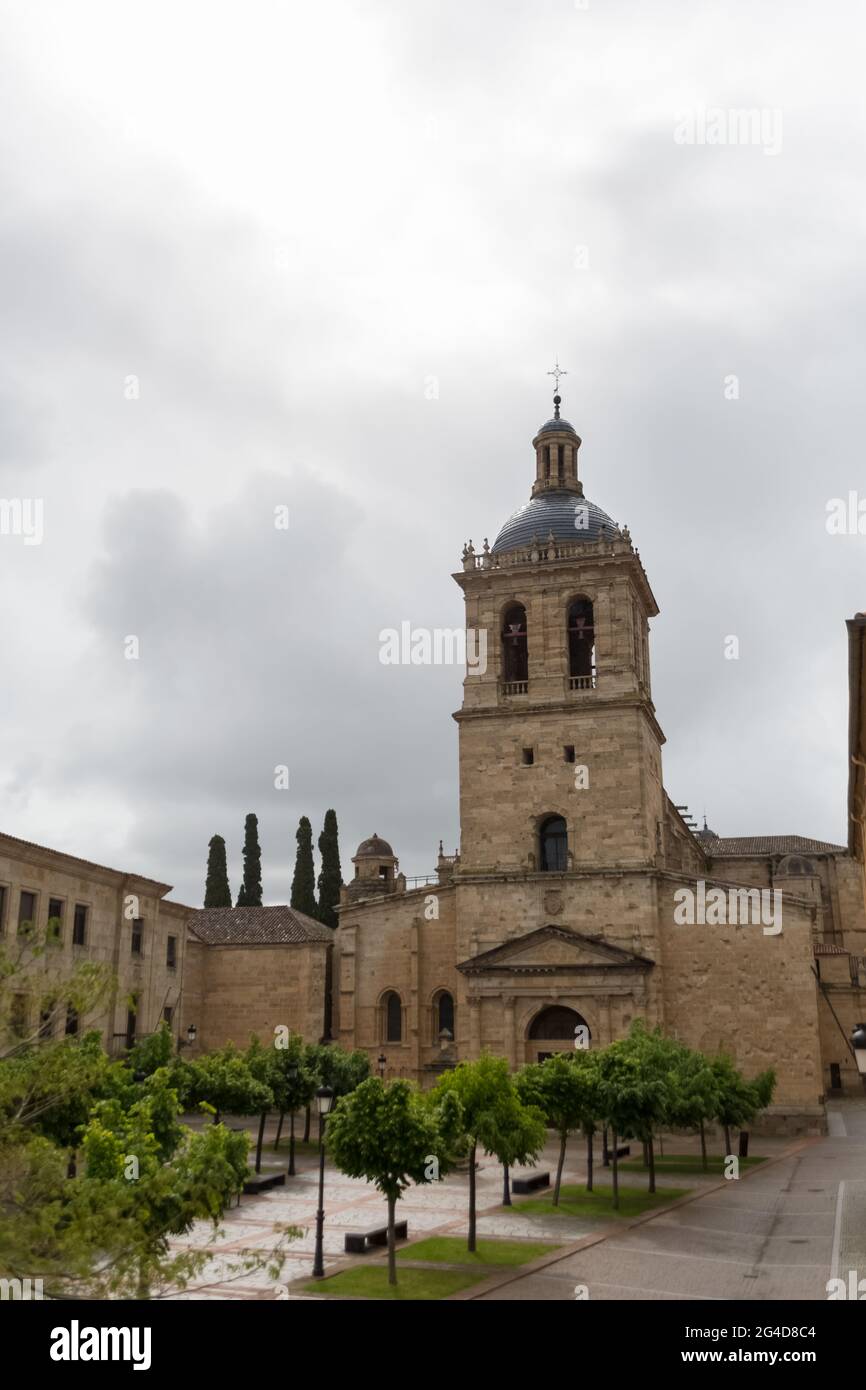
(858, 1040)
(382, 1062)
(324, 1101)
(191, 1034)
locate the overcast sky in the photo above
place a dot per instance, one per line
(322, 256)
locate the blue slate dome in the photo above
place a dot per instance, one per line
(551, 511)
(555, 423)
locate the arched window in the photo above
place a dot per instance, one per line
(557, 1021)
(445, 1013)
(515, 655)
(393, 1012)
(553, 845)
(581, 645)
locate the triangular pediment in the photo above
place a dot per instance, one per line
(552, 949)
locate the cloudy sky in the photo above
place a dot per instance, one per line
(321, 257)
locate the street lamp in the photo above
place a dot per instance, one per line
(382, 1063)
(191, 1034)
(324, 1101)
(858, 1038)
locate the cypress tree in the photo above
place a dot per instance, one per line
(216, 890)
(330, 877)
(251, 888)
(304, 881)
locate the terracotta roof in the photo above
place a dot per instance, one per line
(86, 863)
(767, 844)
(256, 926)
(827, 950)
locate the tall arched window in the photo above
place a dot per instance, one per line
(445, 1013)
(553, 845)
(515, 654)
(393, 1011)
(581, 645)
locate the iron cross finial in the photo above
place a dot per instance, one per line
(556, 373)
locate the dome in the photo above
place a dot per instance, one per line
(374, 848)
(552, 511)
(561, 425)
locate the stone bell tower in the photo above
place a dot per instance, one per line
(560, 750)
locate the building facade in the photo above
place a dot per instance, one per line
(565, 910)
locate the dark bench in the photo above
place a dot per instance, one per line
(623, 1151)
(530, 1182)
(358, 1242)
(259, 1182)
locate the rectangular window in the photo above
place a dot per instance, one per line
(18, 1016)
(171, 952)
(26, 911)
(55, 921)
(835, 1077)
(46, 1022)
(79, 925)
(2, 907)
(130, 1021)
(568, 752)
(138, 936)
(71, 1022)
(168, 1014)
(528, 757)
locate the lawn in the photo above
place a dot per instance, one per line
(688, 1163)
(371, 1281)
(452, 1250)
(574, 1200)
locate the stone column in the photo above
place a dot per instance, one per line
(508, 1039)
(474, 1002)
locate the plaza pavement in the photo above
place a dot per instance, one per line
(779, 1232)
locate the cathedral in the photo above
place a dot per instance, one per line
(580, 898)
(560, 918)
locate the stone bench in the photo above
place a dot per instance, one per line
(530, 1182)
(260, 1182)
(359, 1242)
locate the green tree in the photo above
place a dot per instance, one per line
(481, 1088)
(152, 1052)
(330, 874)
(216, 890)
(564, 1089)
(223, 1081)
(293, 1081)
(391, 1137)
(250, 894)
(693, 1095)
(304, 881)
(738, 1100)
(512, 1133)
(633, 1096)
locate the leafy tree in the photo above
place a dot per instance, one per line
(564, 1088)
(216, 890)
(738, 1100)
(693, 1094)
(293, 1081)
(151, 1053)
(391, 1137)
(330, 875)
(633, 1095)
(304, 881)
(223, 1080)
(482, 1088)
(251, 888)
(512, 1133)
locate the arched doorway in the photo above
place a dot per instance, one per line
(554, 1029)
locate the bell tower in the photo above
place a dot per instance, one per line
(560, 749)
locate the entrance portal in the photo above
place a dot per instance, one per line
(552, 1030)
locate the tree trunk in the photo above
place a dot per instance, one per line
(727, 1140)
(392, 1244)
(652, 1165)
(279, 1129)
(262, 1118)
(506, 1187)
(216, 1117)
(71, 1167)
(563, 1140)
(292, 1144)
(470, 1244)
(589, 1161)
(704, 1163)
(615, 1174)
(307, 1127)
(645, 1154)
